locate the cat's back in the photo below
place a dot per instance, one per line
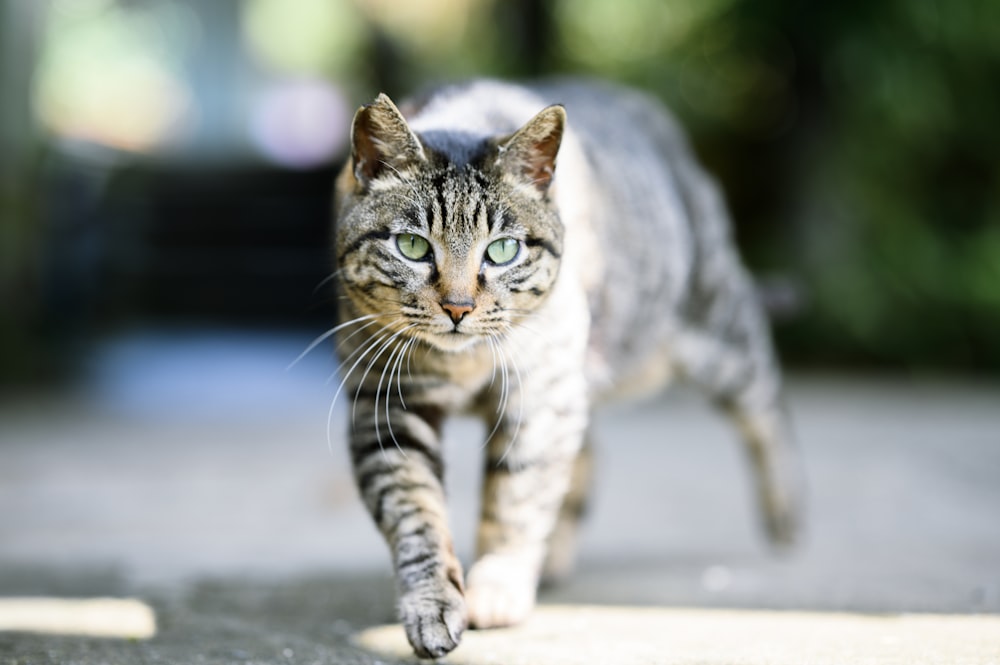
(626, 183)
(465, 113)
(636, 155)
(623, 121)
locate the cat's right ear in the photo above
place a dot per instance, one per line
(530, 154)
(382, 143)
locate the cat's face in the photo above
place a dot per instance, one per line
(450, 254)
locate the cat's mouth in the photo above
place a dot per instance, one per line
(455, 339)
(453, 336)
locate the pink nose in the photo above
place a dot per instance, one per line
(458, 310)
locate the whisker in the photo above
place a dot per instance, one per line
(360, 346)
(399, 370)
(406, 181)
(362, 351)
(326, 280)
(493, 352)
(496, 426)
(361, 329)
(388, 389)
(504, 397)
(371, 363)
(367, 349)
(504, 380)
(409, 356)
(520, 403)
(322, 338)
(534, 331)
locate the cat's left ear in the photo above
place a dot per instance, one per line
(530, 153)
(382, 143)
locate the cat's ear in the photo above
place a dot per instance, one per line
(382, 143)
(530, 153)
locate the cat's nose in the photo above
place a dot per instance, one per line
(457, 310)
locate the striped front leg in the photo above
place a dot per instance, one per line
(529, 467)
(399, 473)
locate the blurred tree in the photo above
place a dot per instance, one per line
(857, 142)
(21, 351)
(899, 234)
(859, 148)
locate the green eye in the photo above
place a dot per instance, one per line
(412, 246)
(503, 250)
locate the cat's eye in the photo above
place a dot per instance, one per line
(412, 246)
(503, 250)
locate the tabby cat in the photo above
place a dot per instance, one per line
(476, 276)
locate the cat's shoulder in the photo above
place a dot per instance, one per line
(476, 105)
(488, 104)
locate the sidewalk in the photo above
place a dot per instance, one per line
(193, 473)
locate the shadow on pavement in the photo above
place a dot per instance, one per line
(341, 619)
(226, 621)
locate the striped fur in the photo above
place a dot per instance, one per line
(624, 276)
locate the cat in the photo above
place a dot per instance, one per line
(525, 253)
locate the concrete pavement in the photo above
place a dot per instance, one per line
(190, 470)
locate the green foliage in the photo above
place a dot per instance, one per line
(860, 146)
(914, 151)
(858, 142)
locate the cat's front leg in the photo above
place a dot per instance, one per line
(399, 474)
(529, 465)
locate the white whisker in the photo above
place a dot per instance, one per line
(399, 371)
(490, 339)
(341, 342)
(322, 338)
(343, 382)
(397, 350)
(520, 406)
(409, 356)
(496, 426)
(353, 353)
(405, 181)
(326, 280)
(371, 363)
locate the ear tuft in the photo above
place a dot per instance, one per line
(382, 142)
(530, 153)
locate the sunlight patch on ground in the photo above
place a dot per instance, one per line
(571, 635)
(124, 618)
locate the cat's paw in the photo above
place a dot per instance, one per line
(499, 593)
(434, 618)
(560, 556)
(781, 506)
(782, 522)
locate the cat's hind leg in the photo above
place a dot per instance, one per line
(724, 346)
(744, 381)
(560, 556)
(765, 434)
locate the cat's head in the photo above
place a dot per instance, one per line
(451, 237)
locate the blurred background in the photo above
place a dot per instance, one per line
(170, 162)
(166, 169)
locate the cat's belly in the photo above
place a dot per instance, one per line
(612, 378)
